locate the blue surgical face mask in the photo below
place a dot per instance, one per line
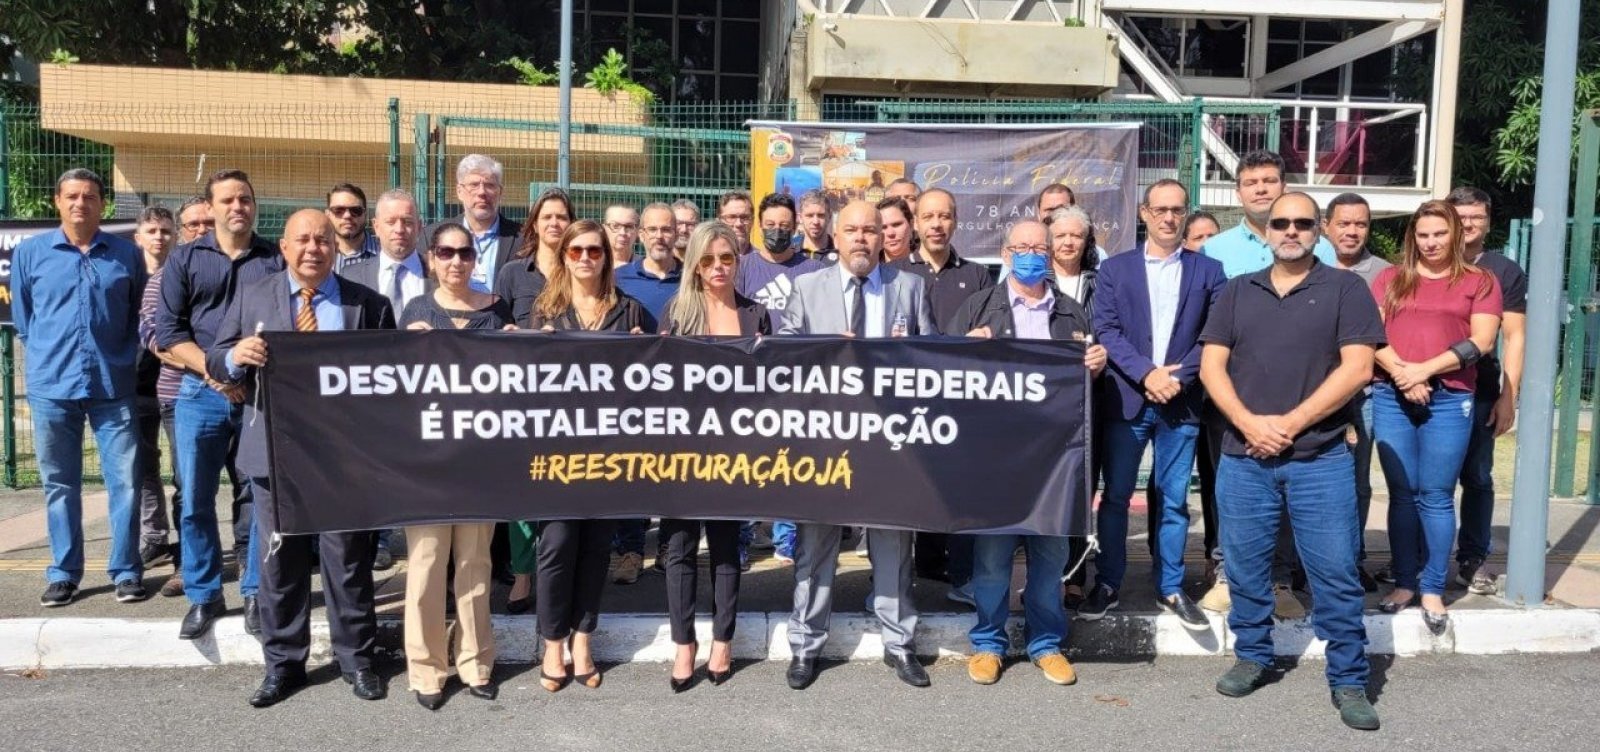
(1029, 268)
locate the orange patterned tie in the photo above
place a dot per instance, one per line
(306, 319)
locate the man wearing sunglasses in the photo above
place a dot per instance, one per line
(1150, 306)
(347, 210)
(1285, 350)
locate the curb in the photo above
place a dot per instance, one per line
(153, 643)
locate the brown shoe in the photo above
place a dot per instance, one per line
(1057, 669)
(628, 569)
(984, 668)
(1217, 600)
(1285, 605)
(173, 587)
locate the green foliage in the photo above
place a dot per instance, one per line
(59, 56)
(1074, 23)
(529, 74)
(610, 76)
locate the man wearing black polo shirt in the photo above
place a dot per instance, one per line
(950, 281)
(1285, 350)
(197, 285)
(814, 215)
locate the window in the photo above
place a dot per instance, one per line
(1205, 46)
(714, 44)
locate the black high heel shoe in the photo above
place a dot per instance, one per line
(718, 677)
(679, 685)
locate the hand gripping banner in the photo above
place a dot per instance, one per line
(370, 430)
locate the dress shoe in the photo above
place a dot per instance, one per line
(907, 669)
(252, 617)
(275, 689)
(431, 702)
(487, 691)
(520, 605)
(173, 587)
(365, 684)
(198, 621)
(802, 671)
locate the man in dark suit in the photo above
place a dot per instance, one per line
(304, 297)
(858, 297)
(480, 184)
(1150, 306)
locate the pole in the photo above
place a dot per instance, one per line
(564, 147)
(8, 375)
(1530, 498)
(5, 165)
(394, 142)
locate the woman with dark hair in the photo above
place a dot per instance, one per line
(706, 304)
(1199, 227)
(452, 304)
(899, 236)
(1440, 314)
(574, 554)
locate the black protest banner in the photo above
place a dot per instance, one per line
(370, 430)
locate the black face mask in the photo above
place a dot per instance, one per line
(776, 242)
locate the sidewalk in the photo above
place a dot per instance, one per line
(97, 631)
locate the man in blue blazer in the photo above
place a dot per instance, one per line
(306, 296)
(1150, 306)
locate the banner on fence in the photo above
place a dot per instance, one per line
(14, 231)
(994, 171)
(370, 430)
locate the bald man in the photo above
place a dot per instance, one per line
(856, 297)
(306, 297)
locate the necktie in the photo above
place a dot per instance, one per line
(397, 297)
(306, 319)
(858, 314)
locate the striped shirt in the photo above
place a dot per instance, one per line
(169, 380)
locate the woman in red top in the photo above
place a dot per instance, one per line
(1441, 314)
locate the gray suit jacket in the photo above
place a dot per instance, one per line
(267, 301)
(817, 304)
(365, 273)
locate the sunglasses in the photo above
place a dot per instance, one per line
(445, 252)
(347, 211)
(594, 252)
(1300, 223)
(726, 259)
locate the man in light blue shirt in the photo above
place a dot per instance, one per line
(1244, 249)
(75, 304)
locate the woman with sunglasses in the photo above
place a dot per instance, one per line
(453, 304)
(574, 554)
(706, 305)
(1441, 315)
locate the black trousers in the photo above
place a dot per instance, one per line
(243, 512)
(284, 600)
(683, 576)
(156, 517)
(574, 556)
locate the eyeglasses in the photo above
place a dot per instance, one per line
(653, 231)
(620, 227)
(594, 252)
(1281, 224)
(726, 259)
(736, 219)
(479, 185)
(347, 211)
(1166, 211)
(447, 252)
(1038, 250)
(199, 223)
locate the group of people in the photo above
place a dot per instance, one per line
(1207, 346)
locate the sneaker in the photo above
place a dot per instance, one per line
(173, 587)
(628, 569)
(1385, 574)
(382, 560)
(1475, 576)
(1285, 605)
(962, 594)
(1181, 606)
(1218, 599)
(155, 554)
(1245, 677)
(1355, 709)
(1057, 669)
(984, 668)
(131, 591)
(784, 557)
(1101, 599)
(59, 593)
(660, 565)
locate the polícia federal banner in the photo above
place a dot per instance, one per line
(370, 430)
(994, 170)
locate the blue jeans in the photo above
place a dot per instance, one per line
(1174, 460)
(1361, 421)
(783, 537)
(58, 442)
(1319, 498)
(1046, 618)
(1421, 448)
(205, 422)
(1477, 488)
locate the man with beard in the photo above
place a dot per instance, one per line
(1284, 455)
(347, 210)
(818, 245)
(480, 184)
(686, 215)
(856, 297)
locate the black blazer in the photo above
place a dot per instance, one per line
(625, 316)
(992, 308)
(267, 301)
(510, 236)
(753, 318)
